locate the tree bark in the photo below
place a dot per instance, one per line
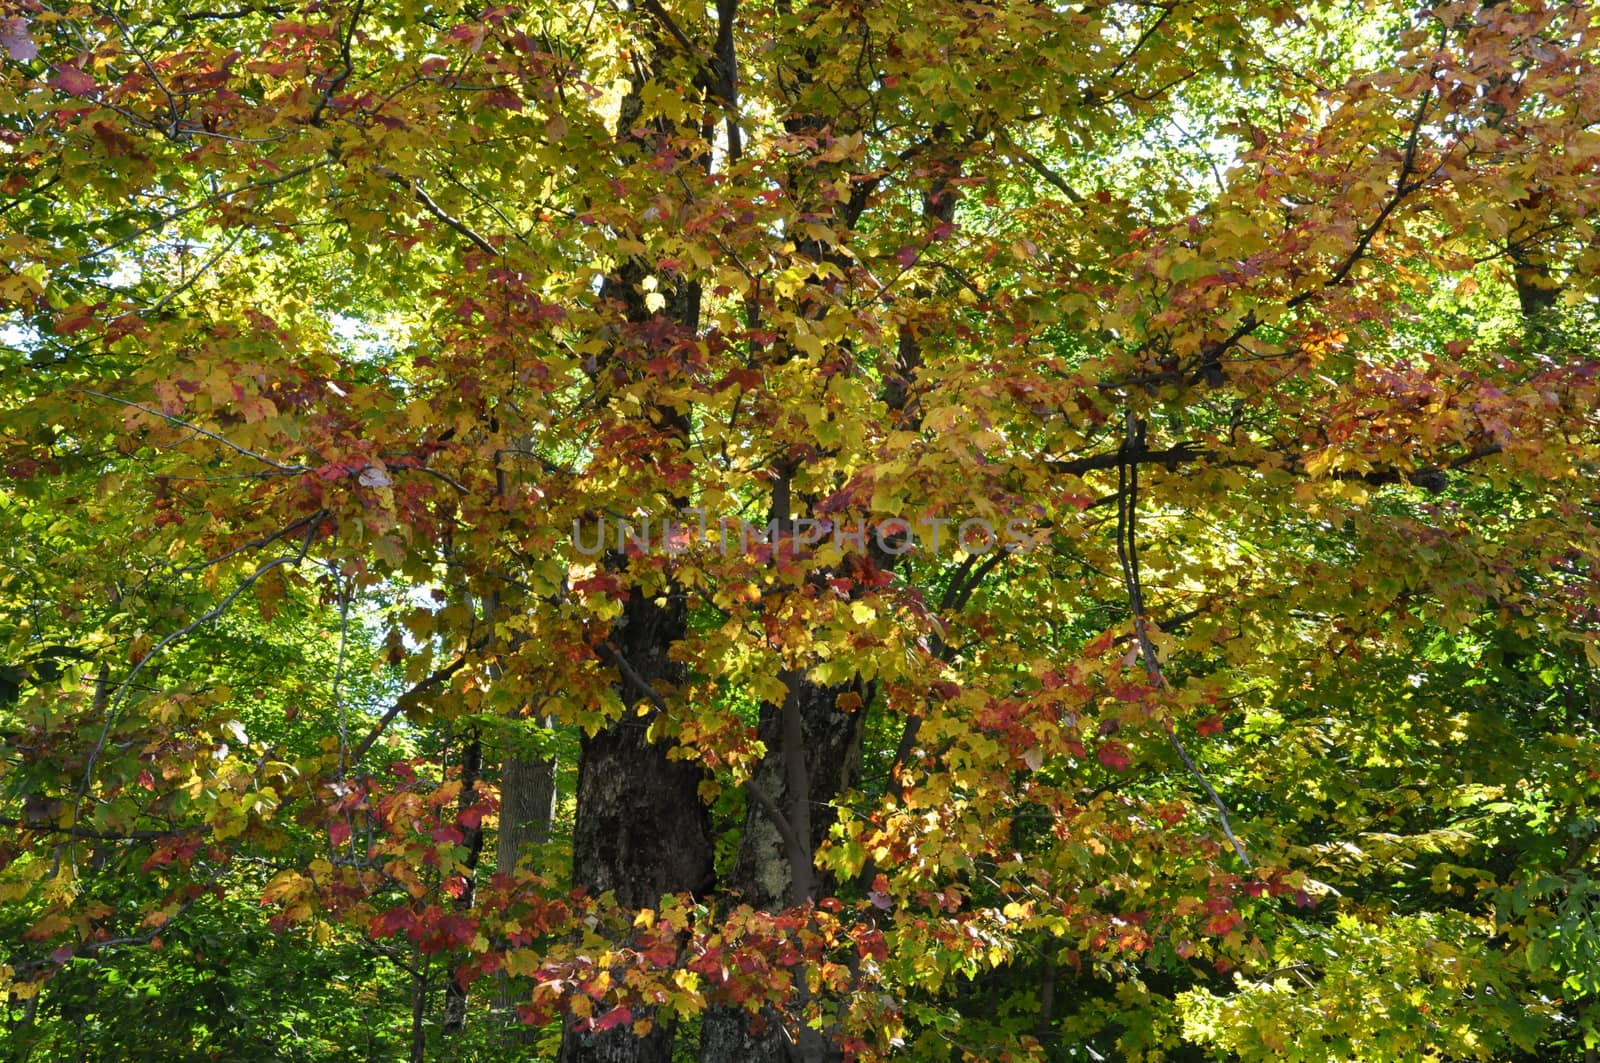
(419, 1012)
(455, 994)
(642, 829)
(527, 811)
(527, 808)
(762, 874)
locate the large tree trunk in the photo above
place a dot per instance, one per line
(642, 829)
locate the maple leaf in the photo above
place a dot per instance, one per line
(71, 80)
(1114, 755)
(14, 38)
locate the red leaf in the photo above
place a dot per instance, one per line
(504, 98)
(1221, 924)
(391, 922)
(1210, 725)
(447, 932)
(339, 832)
(749, 379)
(614, 1017)
(1114, 755)
(74, 82)
(75, 320)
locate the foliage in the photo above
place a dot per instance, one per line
(1260, 337)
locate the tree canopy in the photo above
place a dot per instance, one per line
(855, 529)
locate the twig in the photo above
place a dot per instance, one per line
(180, 422)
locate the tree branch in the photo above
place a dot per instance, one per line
(1034, 163)
(1128, 554)
(181, 423)
(90, 833)
(406, 701)
(122, 689)
(632, 675)
(791, 840)
(427, 201)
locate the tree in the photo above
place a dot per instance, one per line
(1043, 525)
